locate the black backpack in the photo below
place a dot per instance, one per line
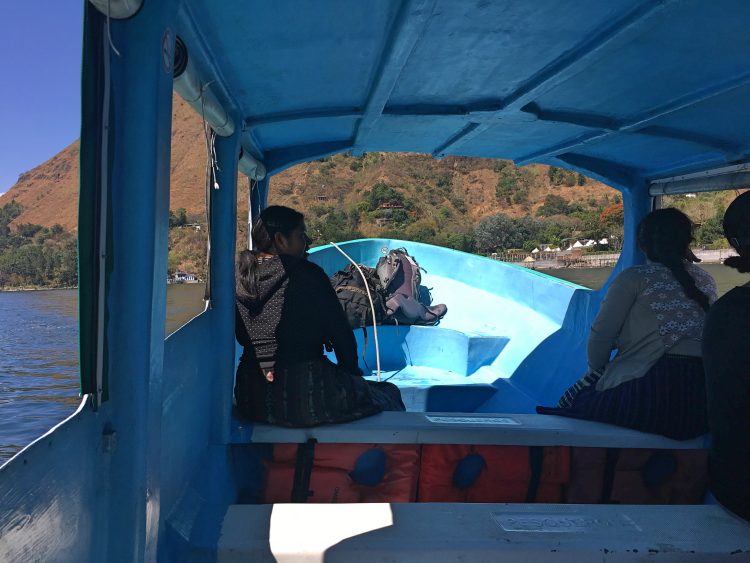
(350, 289)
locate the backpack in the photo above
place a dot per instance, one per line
(350, 289)
(407, 301)
(399, 273)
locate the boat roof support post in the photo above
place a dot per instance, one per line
(223, 239)
(138, 227)
(637, 203)
(635, 198)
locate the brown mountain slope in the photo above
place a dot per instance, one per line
(49, 192)
(466, 187)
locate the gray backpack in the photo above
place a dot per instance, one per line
(407, 303)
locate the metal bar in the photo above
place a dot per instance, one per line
(102, 245)
(723, 178)
(705, 173)
(406, 31)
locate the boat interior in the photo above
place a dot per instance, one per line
(648, 97)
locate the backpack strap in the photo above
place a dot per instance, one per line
(303, 470)
(536, 460)
(364, 348)
(610, 469)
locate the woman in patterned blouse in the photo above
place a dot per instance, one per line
(652, 315)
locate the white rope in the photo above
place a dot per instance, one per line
(372, 305)
(109, 33)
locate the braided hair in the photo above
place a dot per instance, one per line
(737, 231)
(272, 220)
(665, 236)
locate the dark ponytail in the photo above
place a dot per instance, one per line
(272, 220)
(737, 231)
(665, 236)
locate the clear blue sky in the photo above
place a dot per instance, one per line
(40, 70)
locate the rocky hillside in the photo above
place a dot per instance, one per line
(49, 192)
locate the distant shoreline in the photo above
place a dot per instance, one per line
(592, 261)
(706, 256)
(34, 288)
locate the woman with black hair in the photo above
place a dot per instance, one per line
(726, 355)
(653, 316)
(287, 311)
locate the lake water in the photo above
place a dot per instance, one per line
(39, 357)
(39, 349)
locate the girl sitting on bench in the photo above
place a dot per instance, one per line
(287, 311)
(653, 316)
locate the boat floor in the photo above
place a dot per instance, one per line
(431, 389)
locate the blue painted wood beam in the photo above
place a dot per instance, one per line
(405, 32)
(582, 119)
(606, 123)
(732, 151)
(281, 159)
(250, 143)
(569, 63)
(477, 111)
(612, 173)
(462, 134)
(642, 121)
(286, 117)
(565, 66)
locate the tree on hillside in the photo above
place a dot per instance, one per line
(8, 212)
(28, 230)
(336, 225)
(553, 205)
(711, 230)
(513, 184)
(380, 194)
(497, 232)
(177, 218)
(611, 220)
(560, 176)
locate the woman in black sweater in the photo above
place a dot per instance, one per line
(287, 312)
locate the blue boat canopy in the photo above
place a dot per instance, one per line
(626, 91)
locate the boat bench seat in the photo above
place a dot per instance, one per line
(464, 428)
(437, 532)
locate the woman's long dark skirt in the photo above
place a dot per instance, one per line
(669, 400)
(311, 393)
